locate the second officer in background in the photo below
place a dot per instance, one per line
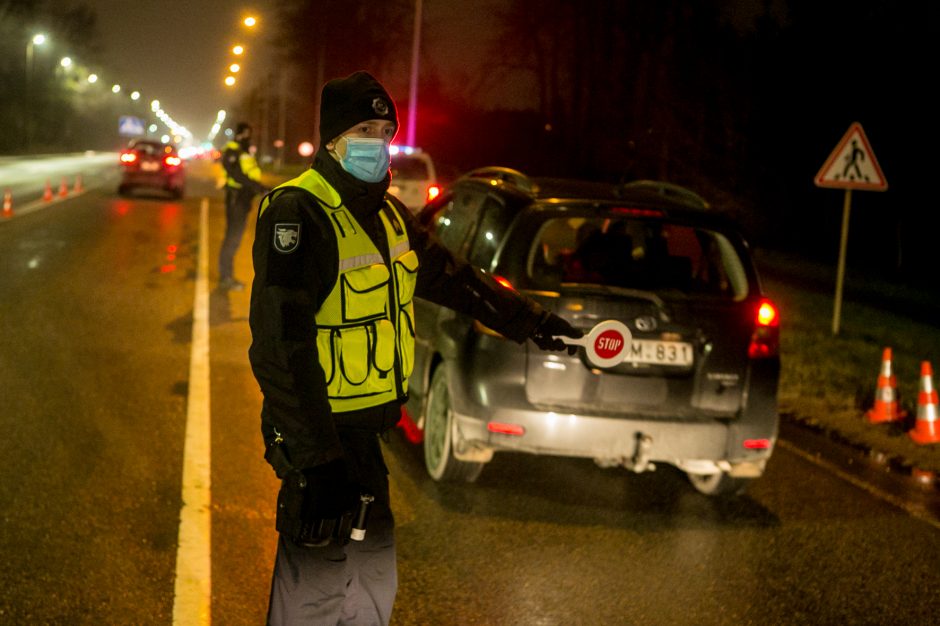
(242, 184)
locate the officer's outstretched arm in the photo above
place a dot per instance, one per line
(452, 282)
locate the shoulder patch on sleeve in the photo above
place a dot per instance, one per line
(286, 236)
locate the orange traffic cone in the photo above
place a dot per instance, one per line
(47, 195)
(78, 183)
(925, 429)
(886, 396)
(63, 188)
(7, 203)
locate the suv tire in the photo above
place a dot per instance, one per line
(720, 484)
(439, 459)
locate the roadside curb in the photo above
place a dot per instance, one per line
(891, 462)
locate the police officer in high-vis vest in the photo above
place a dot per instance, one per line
(337, 263)
(242, 184)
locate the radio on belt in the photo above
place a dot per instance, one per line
(605, 345)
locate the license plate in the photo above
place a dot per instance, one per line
(659, 352)
(149, 166)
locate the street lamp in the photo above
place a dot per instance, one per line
(238, 50)
(36, 40)
(135, 95)
(66, 62)
(250, 21)
(234, 67)
(229, 81)
(116, 89)
(92, 78)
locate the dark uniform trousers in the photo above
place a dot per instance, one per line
(351, 584)
(237, 207)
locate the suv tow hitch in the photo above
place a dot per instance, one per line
(641, 458)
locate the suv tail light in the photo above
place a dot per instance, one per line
(503, 281)
(765, 340)
(127, 158)
(433, 192)
(172, 161)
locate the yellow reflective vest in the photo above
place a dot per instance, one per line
(248, 164)
(365, 327)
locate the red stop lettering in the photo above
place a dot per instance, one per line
(608, 344)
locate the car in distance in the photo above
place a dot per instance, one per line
(414, 180)
(698, 386)
(153, 165)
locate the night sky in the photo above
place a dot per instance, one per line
(177, 50)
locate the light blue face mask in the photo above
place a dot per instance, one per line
(366, 159)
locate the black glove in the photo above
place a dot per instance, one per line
(549, 326)
(328, 492)
(316, 506)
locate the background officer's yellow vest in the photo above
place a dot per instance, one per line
(248, 164)
(365, 328)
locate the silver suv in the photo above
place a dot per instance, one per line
(698, 388)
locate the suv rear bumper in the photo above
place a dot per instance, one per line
(701, 447)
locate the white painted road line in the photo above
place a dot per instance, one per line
(193, 587)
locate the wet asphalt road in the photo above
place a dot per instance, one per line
(96, 306)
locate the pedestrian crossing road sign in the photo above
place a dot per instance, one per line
(130, 125)
(852, 165)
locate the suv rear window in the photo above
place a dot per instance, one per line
(647, 254)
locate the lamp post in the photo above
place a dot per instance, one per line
(36, 40)
(413, 90)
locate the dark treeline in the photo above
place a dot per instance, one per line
(742, 101)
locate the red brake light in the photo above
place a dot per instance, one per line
(505, 429)
(756, 444)
(128, 157)
(765, 340)
(767, 314)
(502, 281)
(630, 212)
(172, 161)
(433, 192)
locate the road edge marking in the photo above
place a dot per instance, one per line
(192, 593)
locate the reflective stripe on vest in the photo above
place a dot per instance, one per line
(365, 327)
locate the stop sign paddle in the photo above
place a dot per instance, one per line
(605, 345)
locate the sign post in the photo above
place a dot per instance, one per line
(852, 165)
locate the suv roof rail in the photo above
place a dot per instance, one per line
(505, 175)
(668, 190)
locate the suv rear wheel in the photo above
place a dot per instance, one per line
(439, 457)
(720, 484)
